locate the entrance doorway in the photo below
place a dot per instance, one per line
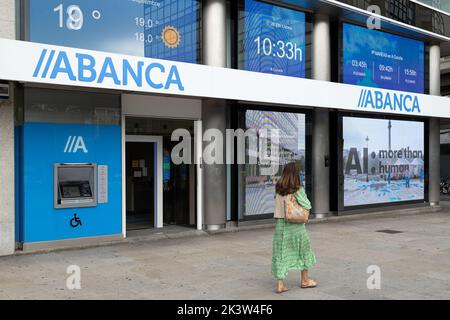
(159, 193)
(143, 165)
(141, 179)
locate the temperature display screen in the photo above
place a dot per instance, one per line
(275, 40)
(377, 59)
(157, 29)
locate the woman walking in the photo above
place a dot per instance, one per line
(291, 245)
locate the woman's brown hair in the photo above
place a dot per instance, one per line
(289, 182)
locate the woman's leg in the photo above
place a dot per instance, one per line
(281, 287)
(305, 278)
(306, 282)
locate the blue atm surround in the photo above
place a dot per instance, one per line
(43, 145)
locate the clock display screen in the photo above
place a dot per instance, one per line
(164, 29)
(275, 39)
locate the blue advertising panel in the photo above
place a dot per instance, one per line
(275, 39)
(377, 59)
(44, 145)
(157, 29)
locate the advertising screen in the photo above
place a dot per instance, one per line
(377, 59)
(260, 188)
(156, 29)
(275, 40)
(383, 161)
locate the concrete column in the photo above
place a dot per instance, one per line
(7, 230)
(214, 113)
(215, 33)
(434, 142)
(321, 48)
(435, 70)
(321, 172)
(214, 175)
(321, 70)
(434, 158)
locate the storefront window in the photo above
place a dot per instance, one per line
(411, 13)
(57, 106)
(383, 161)
(157, 29)
(257, 188)
(273, 39)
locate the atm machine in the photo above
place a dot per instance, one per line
(75, 185)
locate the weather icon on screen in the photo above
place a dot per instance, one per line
(171, 37)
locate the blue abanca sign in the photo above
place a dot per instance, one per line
(85, 68)
(387, 101)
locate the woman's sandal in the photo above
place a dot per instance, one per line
(284, 289)
(311, 284)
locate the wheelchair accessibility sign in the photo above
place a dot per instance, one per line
(75, 222)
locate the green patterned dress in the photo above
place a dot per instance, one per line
(291, 245)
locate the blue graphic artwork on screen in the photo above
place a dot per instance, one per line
(157, 29)
(275, 39)
(377, 59)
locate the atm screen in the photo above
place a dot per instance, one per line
(75, 189)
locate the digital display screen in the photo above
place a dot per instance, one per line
(260, 188)
(71, 191)
(275, 39)
(377, 59)
(167, 161)
(75, 189)
(157, 29)
(383, 161)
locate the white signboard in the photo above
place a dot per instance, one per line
(40, 63)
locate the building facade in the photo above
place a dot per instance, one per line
(99, 100)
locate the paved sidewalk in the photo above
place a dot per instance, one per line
(415, 264)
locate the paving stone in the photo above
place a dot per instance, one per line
(414, 264)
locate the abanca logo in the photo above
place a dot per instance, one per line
(85, 68)
(379, 100)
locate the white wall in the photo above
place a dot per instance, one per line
(161, 107)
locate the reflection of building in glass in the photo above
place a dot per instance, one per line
(260, 189)
(181, 42)
(291, 128)
(402, 10)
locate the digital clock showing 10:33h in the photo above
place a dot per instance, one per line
(149, 28)
(275, 39)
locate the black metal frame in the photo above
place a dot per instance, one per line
(238, 5)
(338, 151)
(236, 111)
